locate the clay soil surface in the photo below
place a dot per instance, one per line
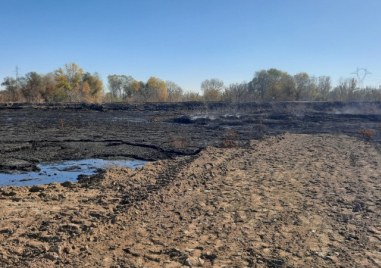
(292, 200)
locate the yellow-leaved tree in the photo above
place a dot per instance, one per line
(156, 90)
(92, 88)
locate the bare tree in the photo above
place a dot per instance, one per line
(323, 88)
(345, 91)
(238, 92)
(175, 92)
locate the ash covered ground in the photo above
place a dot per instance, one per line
(32, 134)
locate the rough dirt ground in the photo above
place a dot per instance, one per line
(286, 201)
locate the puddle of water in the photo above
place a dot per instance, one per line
(63, 171)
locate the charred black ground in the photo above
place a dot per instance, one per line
(31, 134)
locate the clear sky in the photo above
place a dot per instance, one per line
(187, 41)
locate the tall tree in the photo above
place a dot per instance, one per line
(302, 86)
(85, 92)
(175, 92)
(345, 90)
(121, 86)
(94, 86)
(130, 88)
(156, 90)
(323, 88)
(49, 89)
(12, 89)
(212, 89)
(238, 92)
(33, 87)
(273, 84)
(260, 84)
(69, 82)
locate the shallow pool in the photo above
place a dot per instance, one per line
(63, 171)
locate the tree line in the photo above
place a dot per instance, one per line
(67, 84)
(72, 84)
(277, 85)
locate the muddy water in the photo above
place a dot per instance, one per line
(63, 171)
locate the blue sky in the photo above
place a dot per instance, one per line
(187, 41)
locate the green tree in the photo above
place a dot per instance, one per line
(69, 82)
(260, 84)
(273, 84)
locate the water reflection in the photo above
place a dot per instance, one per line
(63, 171)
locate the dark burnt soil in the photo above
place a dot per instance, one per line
(31, 134)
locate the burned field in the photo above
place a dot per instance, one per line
(259, 185)
(43, 133)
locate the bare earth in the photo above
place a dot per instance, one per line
(288, 201)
